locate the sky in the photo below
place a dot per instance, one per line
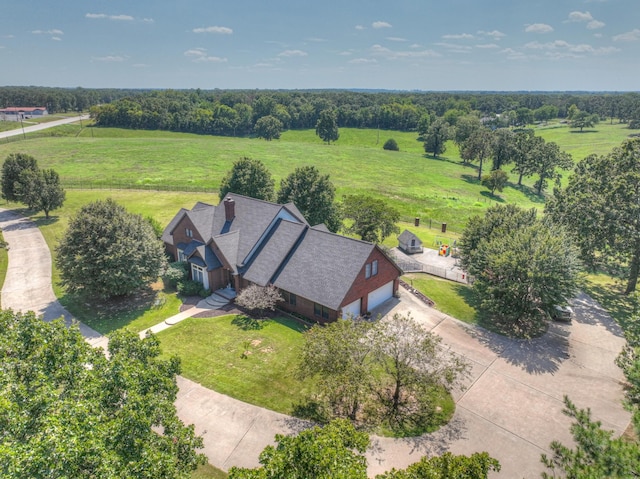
(434, 45)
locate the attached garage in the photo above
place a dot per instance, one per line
(352, 309)
(380, 295)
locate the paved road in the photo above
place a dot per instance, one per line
(511, 407)
(42, 126)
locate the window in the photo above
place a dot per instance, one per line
(367, 271)
(320, 310)
(289, 298)
(197, 273)
(181, 255)
(374, 267)
(188, 232)
(413, 242)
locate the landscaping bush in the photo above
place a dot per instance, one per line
(391, 144)
(203, 293)
(176, 272)
(189, 288)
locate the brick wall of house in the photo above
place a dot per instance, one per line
(362, 286)
(306, 308)
(180, 236)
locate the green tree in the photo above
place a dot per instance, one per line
(268, 127)
(436, 137)
(523, 268)
(416, 368)
(546, 113)
(596, 454)
(248, 177)
(496, 180)
(447, 466)
(371, 218)
(465, 127)
(503, 148)
(40, 190)
(601, 208)
(341, 360)
(524, 116)
(313, 194)
(335, 451)
(545, 161)
(69, 410)
(629, 362)
(327, 126)
(582, 119)
(477, 147)
(391, 145)
(12, 167)
(107, 251)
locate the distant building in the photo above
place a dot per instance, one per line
(17, 113)
(409, 242)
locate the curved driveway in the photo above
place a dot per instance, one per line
(511, 407)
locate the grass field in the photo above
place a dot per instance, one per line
(455, 299)
(251, 360)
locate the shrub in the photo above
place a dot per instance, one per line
(176, 272)
(391, 144)
(203, 293)
(189, 287)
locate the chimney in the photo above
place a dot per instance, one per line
(229, 209)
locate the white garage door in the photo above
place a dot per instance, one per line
(351, 309)
(380, 295)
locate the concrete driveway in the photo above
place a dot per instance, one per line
(511, 407)
(42, 126)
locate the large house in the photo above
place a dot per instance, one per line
(243, 241)
(14, 113)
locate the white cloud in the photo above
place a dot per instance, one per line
(126, 18)
(380, 24)
(487, 46)
(631, 36)
(292, 53)
(8, 36)
(595, 24)
(495, 34)
(57, 39)
(396, 39)
(538, 28)
(415, 45)
(55, 31)
(363, 61)
(580, 16)
(561, 48)
(346, 53)
(359, 27)
(453, 46)
(148, 20)
(459, 36)
(110, 58)
(512, 54)
(214, 29)
(200, 55)
(140, 65)
(316, 40)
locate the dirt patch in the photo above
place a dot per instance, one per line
(256, 342)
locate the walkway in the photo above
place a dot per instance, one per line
(512, 406)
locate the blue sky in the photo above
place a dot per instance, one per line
(265, 44)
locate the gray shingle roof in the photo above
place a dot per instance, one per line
(323, 266)
(272, 252)
(407, 236)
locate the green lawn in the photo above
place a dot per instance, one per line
(609, 293)
(208, 472)
(251, 360)
(439, 189)
(451, 298)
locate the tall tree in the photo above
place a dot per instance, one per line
(313, 194)
(268, 127)
(582, 119)
(40, 190)
(327, 126)
(496, 180)
(107, 252)
(545, 161)
(69, 410)
(478, 147)
(371, 218)
(503, 148)
(525, 146)
(436, 138)
(523, 268)
(12, 167)
(601, 208)
(248, 177)
(465, 127)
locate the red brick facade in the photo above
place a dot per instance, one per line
(362, 286)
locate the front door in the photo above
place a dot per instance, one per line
(199, 274)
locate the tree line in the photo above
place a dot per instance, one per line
(237, 112)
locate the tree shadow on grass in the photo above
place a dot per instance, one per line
(492, 197)
(578, 132)
(440, 158)
(247, 323)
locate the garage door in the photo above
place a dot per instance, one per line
(352, 309)
(380, 295)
